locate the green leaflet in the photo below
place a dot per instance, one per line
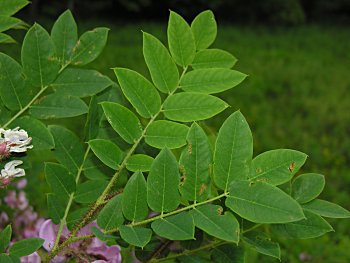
(39, 60)
(277, 166)
(134, 202)
(108, 152)
(139, 91)
(233, 151)
(136, 236)
(10, 7)
(5, 238)
(139, 162)
(9, 259)
(68, 149)
(162, 183)
(164, 72)
(89, 46)
(7, 22)
(80, 82)
(92, 124)
(94, 169)
(177, 227)
(311, 227)
(187, 106)
(89, 191)
(326, 209)
(74, 217)
(64, 35)
(14, 93)
(181, 40)
(260, 202)
(61, 182)
(42, 138)
(102, 236)
(213, 58)
(26, 247)
(209, 219)
(6, 39)
(195, 163)
(307, 187)
(111, 215)
(161, 134)
(55, 208)
(260, 242)
(123, 121)
(204, 29)
(228, 253)
(212, 80)
(58, 106)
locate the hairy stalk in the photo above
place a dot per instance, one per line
(101, 200)
(42, 90)
(70, 201)
(190, 252)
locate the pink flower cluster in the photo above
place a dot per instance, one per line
(26, 223)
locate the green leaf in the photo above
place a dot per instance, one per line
(213, 58)
(162, 183)
(10, 7)
(7, 22)
(5, 238)
(55, 208)
(209, 219)
(42, 138)
(161, 134)
(61, 182)
(74, 217)
(8, 258)
(260, 202)
(164, 72)
(102, 236)
(38, 57)
(277, 166)
(204, 29)
(181, 40)
(6, 39)
(134, 203)
(187, 106)
(94, 169)
(89, 191)
(92, 127)
(80, 82)
(311, 227)
(26, 247)
(307, 187)
(176, 227)
(57, 106)
(64, 35)
(139, 162)
(228, 253)
(326, 209)
(233, 151)
(123, 121)
(108, 152)
(194, 165)
(111, 215)
(68, 149)
(212, 80)
(260, 242)
(139, 91)
(13, 91)
(136, 236)
(89, 46)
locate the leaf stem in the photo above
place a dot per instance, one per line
(69, 204)
(19, 113)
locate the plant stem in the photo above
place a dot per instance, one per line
(42, 90)
(70, 201)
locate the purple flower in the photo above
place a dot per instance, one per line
(32, 258)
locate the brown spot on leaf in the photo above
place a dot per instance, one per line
(291, 167)
(219, 211)
(202, 189)
(258, 170)
(190, 148)
(182, 180)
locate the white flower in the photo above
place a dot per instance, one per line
(10, 171)
(16, 140)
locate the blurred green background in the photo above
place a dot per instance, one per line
(297, 56)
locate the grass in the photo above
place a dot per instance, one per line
(296, 97)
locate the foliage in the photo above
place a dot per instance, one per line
(223, 191)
